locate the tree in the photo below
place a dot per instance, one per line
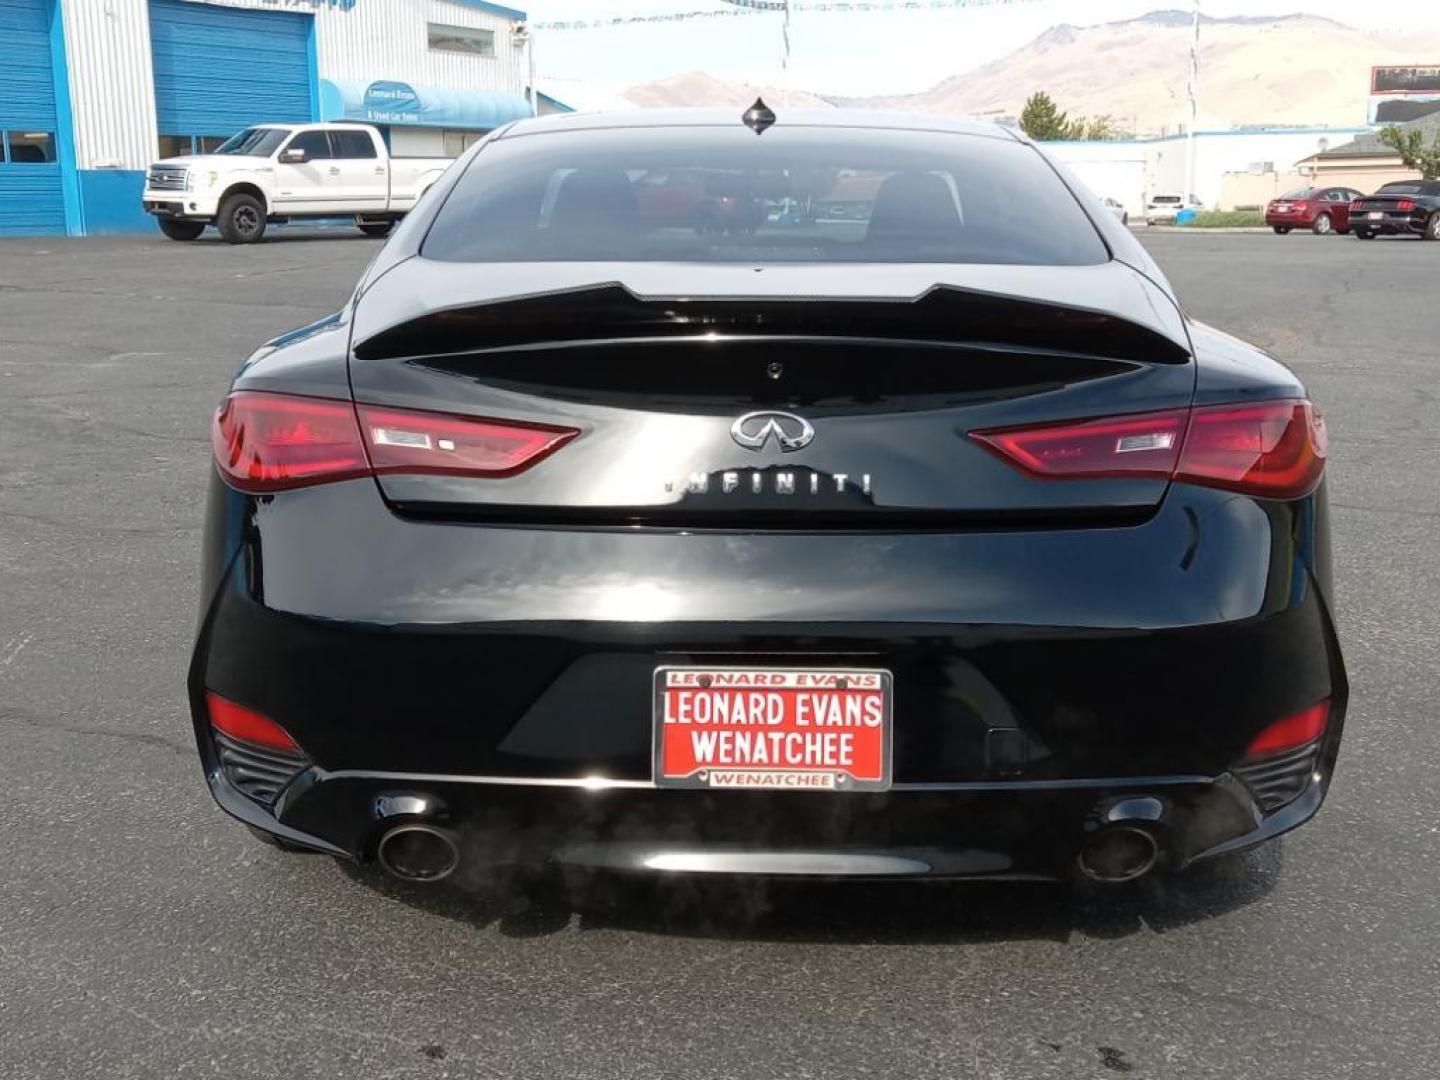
(1096, 128)
(1042, 120)
(1410, 145)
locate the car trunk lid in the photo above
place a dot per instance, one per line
(789, 397)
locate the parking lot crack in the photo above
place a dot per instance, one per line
(52, 723)
(80, 526)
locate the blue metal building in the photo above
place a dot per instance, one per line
(95, 90)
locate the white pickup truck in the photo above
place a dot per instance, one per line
(280, 172)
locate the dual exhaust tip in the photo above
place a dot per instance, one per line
(418, 852)
(1112, 855)
(1119, 853)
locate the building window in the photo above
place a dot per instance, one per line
(461, 39)
(457, 142)
(27, 147)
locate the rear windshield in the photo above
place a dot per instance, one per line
(800, 194)
(1298, 193)
(1165, 199)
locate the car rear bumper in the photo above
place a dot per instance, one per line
(1390, 225)
(498, 681)
(1291, 221)
(996, 830)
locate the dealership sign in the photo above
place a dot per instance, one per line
(390, 101)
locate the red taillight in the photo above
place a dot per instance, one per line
(408, 441)
(1274, 449)
(1358, 204)
(247, 725)
(1405, 204)
(272, 442)
(1291, 731)
(1139, 445)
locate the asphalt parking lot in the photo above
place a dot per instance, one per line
(143, 934)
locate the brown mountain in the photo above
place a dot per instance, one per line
(1254, 70)
(702, 88)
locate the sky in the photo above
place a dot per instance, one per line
(858, 53)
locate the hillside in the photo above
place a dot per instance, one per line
(1283, 70)
(703, 88)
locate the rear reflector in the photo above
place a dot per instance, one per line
(247, 725)
(273, 442)
(1291, 731)
(1273, 449)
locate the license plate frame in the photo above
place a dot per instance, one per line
(871, 746)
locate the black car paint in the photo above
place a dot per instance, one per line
(1415, 222)
(414, 645)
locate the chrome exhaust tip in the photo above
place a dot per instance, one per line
(418, 852)
(1119, 853)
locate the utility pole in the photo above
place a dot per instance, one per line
(522, 36)
(1194, 89)
(785, 62)
(530, 64)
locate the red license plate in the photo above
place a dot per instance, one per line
(789, 729)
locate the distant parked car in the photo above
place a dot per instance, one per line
(1321, 210)
(1406, 207)
(1163, 209)
(1121, 214)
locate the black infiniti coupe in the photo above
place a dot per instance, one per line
(824, 494)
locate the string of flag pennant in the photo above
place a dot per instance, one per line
(742, 8)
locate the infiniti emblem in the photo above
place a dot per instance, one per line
(754, 430)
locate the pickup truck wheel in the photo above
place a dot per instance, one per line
(376, 228)
(181, 230)
(241, 219)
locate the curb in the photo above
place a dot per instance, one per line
(1193, 230)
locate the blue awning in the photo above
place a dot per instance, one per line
(387, 101)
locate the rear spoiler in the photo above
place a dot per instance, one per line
(401, 317)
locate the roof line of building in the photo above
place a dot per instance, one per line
(494, 9)
(1214, 134)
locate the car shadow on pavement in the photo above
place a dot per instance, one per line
(273, 238)
(841, 912)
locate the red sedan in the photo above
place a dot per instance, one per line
(1321, 210)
